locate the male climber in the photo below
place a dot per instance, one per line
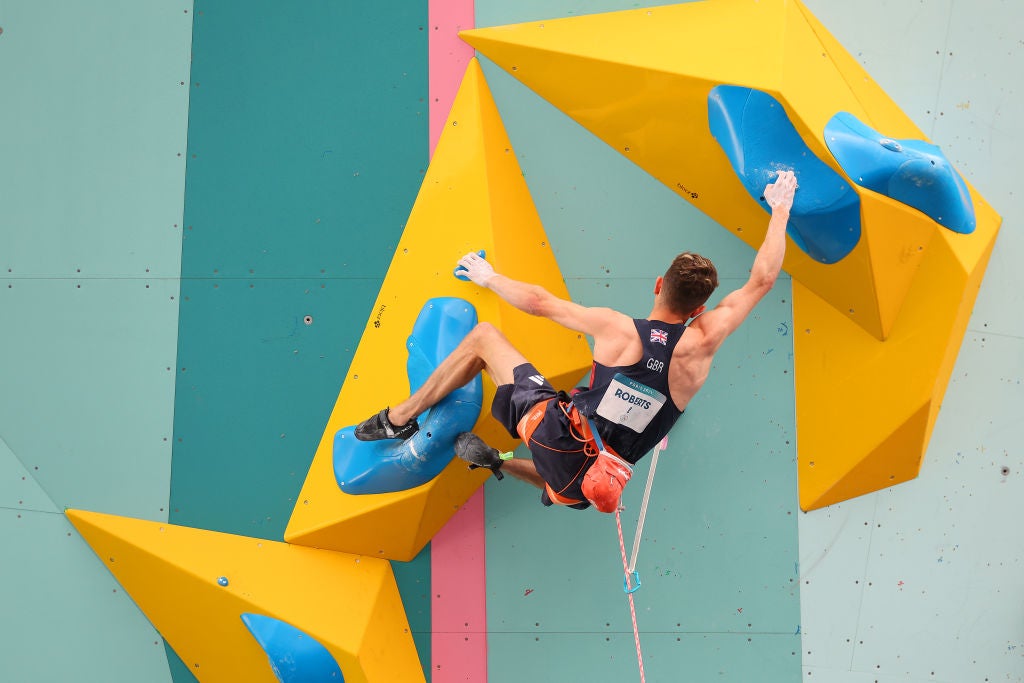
(645, 372)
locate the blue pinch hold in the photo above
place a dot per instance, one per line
(755, 133)
(913, 172)
(455, 272)
(295, 656)
(365, 467)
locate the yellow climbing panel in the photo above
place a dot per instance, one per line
(473, 197)
(195, 585)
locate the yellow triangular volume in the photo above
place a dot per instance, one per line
(896, 460)
(865, 408)
(640, 79)
(195, 585)
(473, 197)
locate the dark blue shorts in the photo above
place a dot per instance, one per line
(557, 453)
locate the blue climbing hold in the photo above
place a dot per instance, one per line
(362, 467)
(755, 133)
(913, 172)
(482, 253)
(295, 656)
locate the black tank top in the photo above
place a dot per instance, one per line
(632, 405)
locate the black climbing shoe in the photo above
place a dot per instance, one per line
(473, 450)
(379, 427)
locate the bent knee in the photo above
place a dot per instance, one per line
(499, 355)
(487, 332)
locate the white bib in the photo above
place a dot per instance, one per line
(630, 403)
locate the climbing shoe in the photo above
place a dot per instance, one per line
(379, 427)
(473, 450)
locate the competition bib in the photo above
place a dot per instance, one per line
(630, 403)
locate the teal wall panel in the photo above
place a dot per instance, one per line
(259, 367)
(92, 159)
(88, 380)
(65, 617)
(93, 123)
(667, 657)
(308, 139)
(19, 489)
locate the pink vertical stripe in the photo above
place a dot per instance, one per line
(458, 609)
(458, 557)
(448, 57)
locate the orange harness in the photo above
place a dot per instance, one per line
(604, 480)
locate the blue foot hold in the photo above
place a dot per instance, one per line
(753, 130)
(913, 172)
(363, 467)
(295, 656)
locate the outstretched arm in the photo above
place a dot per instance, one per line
(536, 300)
(723, 320)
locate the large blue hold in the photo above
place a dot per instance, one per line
(913, 172)
(754, 132)
(295, 656)
(362, 467)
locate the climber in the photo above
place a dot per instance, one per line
(645, 372)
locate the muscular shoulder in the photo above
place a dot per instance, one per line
(615, 338)
(700, 337)
(691, 363)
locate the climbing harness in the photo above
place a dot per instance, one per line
(601, 481)
(631, 576)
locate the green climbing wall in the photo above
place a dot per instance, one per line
(92, 166)
(309, 119)
(307, 145)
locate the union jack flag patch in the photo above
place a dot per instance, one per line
(660, 336)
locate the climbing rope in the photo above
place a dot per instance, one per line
(629, 568)
(629, 591)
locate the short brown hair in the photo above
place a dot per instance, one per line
(689, 281)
